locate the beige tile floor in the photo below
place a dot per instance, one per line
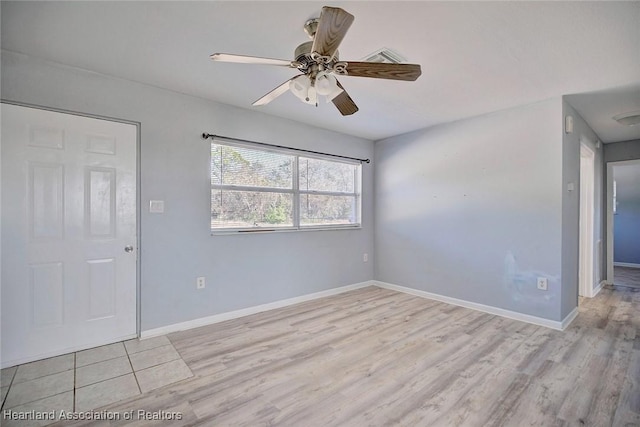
(90, 379)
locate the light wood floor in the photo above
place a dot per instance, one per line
(626, 276)
(374, 357)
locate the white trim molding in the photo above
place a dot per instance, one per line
(570, 318)
(592, 292)
(540, 321)
(217, 318)
(626, 264)
(598, 288)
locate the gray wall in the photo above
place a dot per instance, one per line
(582, 133)
(620, 151)
(474, 210)
(626, 231)
(241, 270)
(626, 221)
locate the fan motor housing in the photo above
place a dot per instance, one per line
(302, 55)
(303, 51)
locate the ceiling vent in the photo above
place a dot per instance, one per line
(385, 55)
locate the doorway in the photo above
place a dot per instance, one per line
(69, 233)
(587, 213)
(623, 223)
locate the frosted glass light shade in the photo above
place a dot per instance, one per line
(302, 88)
(327, 85)
(299, 86)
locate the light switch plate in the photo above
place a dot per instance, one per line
(156, 206)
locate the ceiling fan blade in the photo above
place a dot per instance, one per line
(381, 70)
(344, 103)
(274, 93)
(332, 27)
(243, 59)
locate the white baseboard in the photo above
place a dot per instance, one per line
(598, 288)
(540, 321)
(626, 264)
(217, 318)
(570, 318)
(203, 321)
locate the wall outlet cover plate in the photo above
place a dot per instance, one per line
(156, 206)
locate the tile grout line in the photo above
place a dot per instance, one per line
(9, 387)
(99, 361)
(75, 377)
(179, 354)
(126, 350)
(118, 376)
(75, 368)
(108, 379)
(42, 398)
(104, 360)
(181, 358)
(160, 363)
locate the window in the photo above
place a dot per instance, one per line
(259, 189)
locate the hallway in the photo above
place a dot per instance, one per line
(626, 276)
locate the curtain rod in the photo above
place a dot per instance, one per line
(208, 135)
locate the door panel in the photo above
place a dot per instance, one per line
(102, 288)
(68, 212)
(100, 204)
(46, 200)
(47, 291)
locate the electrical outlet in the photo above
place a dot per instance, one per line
(200, 283)
(365, 257)
(542, 283)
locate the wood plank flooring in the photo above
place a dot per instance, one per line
(375, 357)
(626, 276)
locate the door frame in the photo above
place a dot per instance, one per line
(138, 180)
(586, 249)
(609, 199)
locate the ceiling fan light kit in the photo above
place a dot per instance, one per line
(327, 85)
(302, 88)
(318, 61)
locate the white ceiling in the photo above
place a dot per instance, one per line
(476, 57)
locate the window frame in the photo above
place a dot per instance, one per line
(294, 190)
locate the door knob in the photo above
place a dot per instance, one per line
(128, 248)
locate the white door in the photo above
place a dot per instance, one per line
(68, 233)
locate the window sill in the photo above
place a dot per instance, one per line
(250, 231)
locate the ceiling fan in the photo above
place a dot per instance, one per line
(319, 63)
